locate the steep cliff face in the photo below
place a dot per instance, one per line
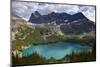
(69, 24)
(58, 17)
(78, 27)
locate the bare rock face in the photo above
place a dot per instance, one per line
(69, 24)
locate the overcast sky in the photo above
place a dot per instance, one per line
(24, 9)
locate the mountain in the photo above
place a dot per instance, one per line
(78, 27)
(48, 18)
(34, 15)
(76, 17)
(69, 24)
(59, 17)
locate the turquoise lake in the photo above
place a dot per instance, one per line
(56, 50)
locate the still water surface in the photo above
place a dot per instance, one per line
(56, 50)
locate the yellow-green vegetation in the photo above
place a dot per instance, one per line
(25, 35)
(34, 35)
(28, 35)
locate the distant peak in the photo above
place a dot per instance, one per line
(79, 13)
(32, 15)
(53, 12)
(37, 13)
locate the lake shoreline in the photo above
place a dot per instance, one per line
(82, 43)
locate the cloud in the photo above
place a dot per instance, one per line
(48, 8)
(89, 12)
(24, 9)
